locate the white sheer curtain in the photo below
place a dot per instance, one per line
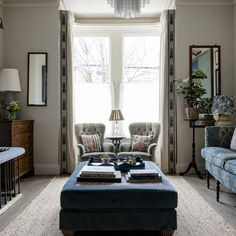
(71, 142)
(93, 103)
(162, 150)
(139, 103)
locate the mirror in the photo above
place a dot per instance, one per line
(37, 79)
(207, 59)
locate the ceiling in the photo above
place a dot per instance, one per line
(100, 8)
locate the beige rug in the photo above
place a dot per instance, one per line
(195, 216)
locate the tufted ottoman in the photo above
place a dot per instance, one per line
(118, 206)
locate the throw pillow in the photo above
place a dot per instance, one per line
(233, 141)
(92, 143)
(140, 143)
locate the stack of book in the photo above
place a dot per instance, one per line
(99, 174)
(146, 175)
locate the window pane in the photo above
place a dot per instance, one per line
(92, 87)
(91, 57)
(140, 103)
(93, 104)
(141, 58)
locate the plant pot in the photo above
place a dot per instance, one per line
(209, 119)
(192, 113)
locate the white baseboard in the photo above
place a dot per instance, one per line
(181, 167)
(46, 169)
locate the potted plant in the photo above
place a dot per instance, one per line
(192, 90)
(205, 106)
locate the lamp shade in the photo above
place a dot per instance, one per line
(223, 105)
(116, 115)
(9, 80)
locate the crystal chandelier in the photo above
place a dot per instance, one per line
(127, 8)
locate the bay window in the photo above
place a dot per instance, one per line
(116, 68)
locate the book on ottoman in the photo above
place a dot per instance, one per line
(99, 174)
(146, 175)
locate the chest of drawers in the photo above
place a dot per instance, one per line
(19, 133)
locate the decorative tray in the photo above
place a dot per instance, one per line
(123, 164)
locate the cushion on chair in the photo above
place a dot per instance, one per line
(92, 143)
(217, 155)
(141, 142)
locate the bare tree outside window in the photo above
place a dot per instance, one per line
(141, 58)
(92, 59)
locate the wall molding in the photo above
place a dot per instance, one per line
(46, 169)
(52, 3)
(204, 3)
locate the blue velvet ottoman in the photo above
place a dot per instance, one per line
(118, 206)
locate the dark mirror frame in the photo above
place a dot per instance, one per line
(215, 82)
(45, 82)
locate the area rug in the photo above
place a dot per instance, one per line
(195, 215)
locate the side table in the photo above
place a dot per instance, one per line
(116, 141)
(194, 124)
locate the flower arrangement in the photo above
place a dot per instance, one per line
(12, 108)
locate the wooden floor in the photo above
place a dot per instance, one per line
(31, 186)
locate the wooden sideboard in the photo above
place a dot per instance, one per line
(19, 133)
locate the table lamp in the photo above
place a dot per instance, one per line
(223, 106)
(9, 83)
(116, 115)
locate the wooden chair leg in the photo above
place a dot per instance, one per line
(167, 232)
(68, 232)
(208, 179)
(217, 190)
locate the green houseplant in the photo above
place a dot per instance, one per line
(205, 106)
(192, 90)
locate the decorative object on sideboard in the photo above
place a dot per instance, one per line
(127, 8)
(9, 84)
(205, 106)
(116, 115)
(192, 90)
(223, 105)
(1, 23)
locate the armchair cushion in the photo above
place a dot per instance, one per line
(91, 143)
(108, 147)
(141, 142)
(125, 147)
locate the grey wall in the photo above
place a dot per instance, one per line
(234, 40)
(1, 38)
(36, 29)
(200, 24)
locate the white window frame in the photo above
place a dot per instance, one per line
(116, 33)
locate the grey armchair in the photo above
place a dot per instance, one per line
(142, 129)
(90, 129)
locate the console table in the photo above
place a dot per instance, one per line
(194, 124)
(8, 157)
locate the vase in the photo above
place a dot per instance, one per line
(12, 115)
(192, 113)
